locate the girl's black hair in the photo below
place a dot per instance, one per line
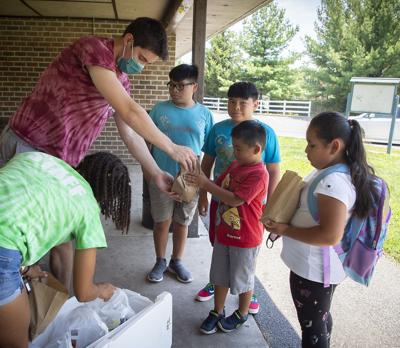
(111, 185)
(332, 125)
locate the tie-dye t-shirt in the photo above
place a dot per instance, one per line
(184, 126)
(65, 112)
(43, 203)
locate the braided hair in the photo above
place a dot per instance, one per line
(111, 185)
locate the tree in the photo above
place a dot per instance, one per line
(354, 38)
(266, 35)
(222, 63)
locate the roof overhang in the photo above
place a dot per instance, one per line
(176, 14)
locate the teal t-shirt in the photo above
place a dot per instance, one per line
(45, 202)
(218, 144)
(184, 126)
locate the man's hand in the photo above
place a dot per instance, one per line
(185, 157)
(202, 206)
(275, 227)
(163, 181)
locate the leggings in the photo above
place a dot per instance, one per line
(312, 302)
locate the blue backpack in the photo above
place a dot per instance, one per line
(362, 241)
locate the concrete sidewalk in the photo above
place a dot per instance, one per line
(128, 258)
(363, 317)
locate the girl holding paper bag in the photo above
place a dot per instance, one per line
(44, 202)
(331, 139)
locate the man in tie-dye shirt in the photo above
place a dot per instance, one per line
(76, 94)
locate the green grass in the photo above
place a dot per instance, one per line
(386, 166)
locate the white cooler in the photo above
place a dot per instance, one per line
(149, 328)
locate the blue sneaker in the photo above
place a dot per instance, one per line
(156, 275)
(182, 274)
(205, 294)
(209, 325)
(233, 322)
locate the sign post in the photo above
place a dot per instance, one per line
(374, 95)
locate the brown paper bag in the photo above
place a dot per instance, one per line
(282, 204)
(186, 192)
(46, 297)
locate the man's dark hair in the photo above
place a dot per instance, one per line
(251, 132)
(184, 71)
(111, 185)
(149, 33)
(243, 90)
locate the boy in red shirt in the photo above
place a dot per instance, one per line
(241, 191)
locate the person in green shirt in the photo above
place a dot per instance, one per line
(43, 203)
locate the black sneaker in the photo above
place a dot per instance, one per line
(209, 325)
(182, 274)
(233, 322)
(156, 275)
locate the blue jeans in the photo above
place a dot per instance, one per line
(11, 283)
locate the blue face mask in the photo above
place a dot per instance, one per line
(129, 66)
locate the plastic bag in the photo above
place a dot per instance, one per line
(115, 311)
(136, 301)
(84, 322)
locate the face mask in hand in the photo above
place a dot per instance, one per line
(129, 66)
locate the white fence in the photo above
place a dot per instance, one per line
(269, 107)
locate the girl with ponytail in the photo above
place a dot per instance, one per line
(331, 140)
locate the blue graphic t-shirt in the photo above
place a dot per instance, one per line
(218, 144)
(184, 126)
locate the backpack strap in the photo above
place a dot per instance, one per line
(311, 199)
(313, 207)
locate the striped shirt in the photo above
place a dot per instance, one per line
(43, 203)
(65, 113)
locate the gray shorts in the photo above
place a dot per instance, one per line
(11, 144)
(163, 207)
(233, 267)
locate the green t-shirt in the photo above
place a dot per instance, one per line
(44, 202)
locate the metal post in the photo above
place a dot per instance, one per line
(199, 43)
(392, 124)
(348, 103)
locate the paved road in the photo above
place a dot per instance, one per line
(283, 126)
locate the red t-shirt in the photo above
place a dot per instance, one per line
(240, 226)
(65, 113)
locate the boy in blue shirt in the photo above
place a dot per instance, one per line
(187, 123)
(218, 150)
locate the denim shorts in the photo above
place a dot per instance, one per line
(11, 283)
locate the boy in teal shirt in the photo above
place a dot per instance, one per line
(187, 123)
(218, 150)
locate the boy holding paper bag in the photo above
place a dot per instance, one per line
(241, 191)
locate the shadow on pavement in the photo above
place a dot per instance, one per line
(276, 329)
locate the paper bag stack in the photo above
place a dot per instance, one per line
(186, 191)
(283, 203)
(46, 297)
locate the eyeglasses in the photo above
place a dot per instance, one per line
(179, 86)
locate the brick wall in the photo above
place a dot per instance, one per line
(28, 45)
